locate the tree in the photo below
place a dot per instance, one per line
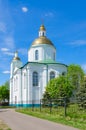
(81, 95)
(4, 92)
(76, 74)
(59, 88)
(67, 85)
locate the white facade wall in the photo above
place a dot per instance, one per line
(25, 92)
(11, 91)
(45, 52)
(31, 54)
(19, 93)
(35, 91)
(49, 53)
(24, 83)
(15, 88)
(29, 84)
(15, 64)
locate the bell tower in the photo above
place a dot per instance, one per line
(16, 63)
(42, 31)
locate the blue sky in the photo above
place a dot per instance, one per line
(65, 22)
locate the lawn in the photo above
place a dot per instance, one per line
(75, 117)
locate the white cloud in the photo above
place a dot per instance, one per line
(24, 9)
(84, 67)
(49, 14)
(2, 27)
(6, 72)
(78, 42)
(4, 49)
(9, 53)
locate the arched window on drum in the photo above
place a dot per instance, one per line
(36, 55)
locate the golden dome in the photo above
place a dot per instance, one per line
(42, 28)
(16, 58)
(42, 40)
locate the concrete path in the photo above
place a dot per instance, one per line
(18, 121)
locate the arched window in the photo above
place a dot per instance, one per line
(52, 75)
(36, 55)
(43, 33)
(54, 56)
(63, 73)
(35, 79)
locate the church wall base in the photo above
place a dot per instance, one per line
(25, 105)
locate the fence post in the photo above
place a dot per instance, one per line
(32, 105)
(40, 105)
(50, 106)
(65, 107)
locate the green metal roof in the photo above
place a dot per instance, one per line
(45, 62)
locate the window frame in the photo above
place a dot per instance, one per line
(52, 75)
(54, 55)
(36, 54)
(35, 78)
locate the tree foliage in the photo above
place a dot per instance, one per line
(76, 75)
(59, 87)
(4, 92)
(81, 95)
(65, 86)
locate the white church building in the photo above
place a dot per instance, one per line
(28, 82)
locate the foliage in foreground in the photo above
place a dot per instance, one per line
(71, 85)
(4, 92)
(81, 96)
(76, 74)
(58, 88)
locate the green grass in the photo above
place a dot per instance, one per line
(75, 117)
(7, 106)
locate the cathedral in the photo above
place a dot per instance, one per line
(28, 82)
